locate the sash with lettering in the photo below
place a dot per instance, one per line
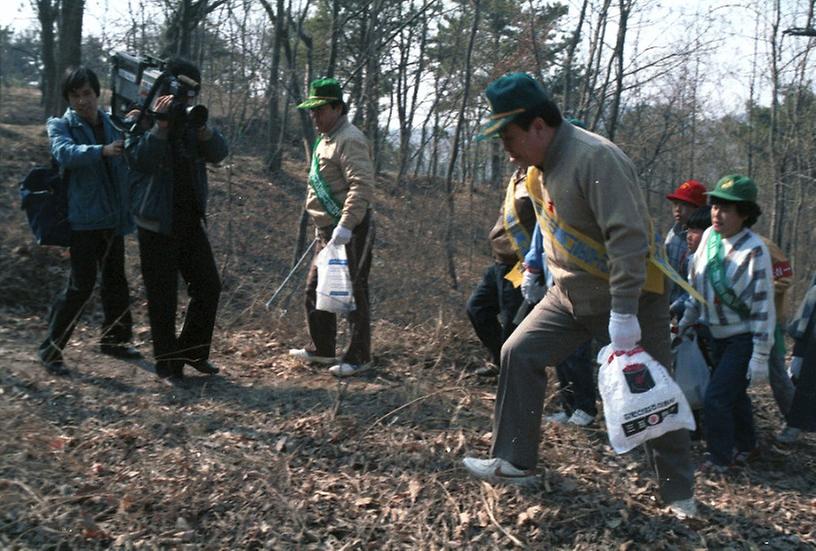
(322, 189)
(590, 255)
(519, 236)
(715, 259)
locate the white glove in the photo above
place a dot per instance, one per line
(531, 288)
(340, 236)
(757, 370)
(624, 331)
(795, 368)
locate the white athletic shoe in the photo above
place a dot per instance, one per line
(499, 471)
(344, 369)
(580, 418)
(684, 509)
(789, 435)
(311, 357)
(559, 418)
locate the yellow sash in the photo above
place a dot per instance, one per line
(590, 255)
(519, 236)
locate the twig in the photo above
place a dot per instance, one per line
(412, 402)
(22, 486)
(510, 536)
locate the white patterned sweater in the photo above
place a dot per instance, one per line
(749, 273)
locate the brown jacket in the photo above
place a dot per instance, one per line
(345, 164)
(782, 277)
(593, 186)
(503, 249)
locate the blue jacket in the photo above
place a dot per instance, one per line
(536, 258)
(152, 180)
(97, 198)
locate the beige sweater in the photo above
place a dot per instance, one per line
(345, 164)
(593, 186)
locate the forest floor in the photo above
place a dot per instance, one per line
(272, 454)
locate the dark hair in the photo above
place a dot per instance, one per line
(546, 110)
(180, 66)
(700, 219)
(340, 102)
(749, 209)
(76, 77)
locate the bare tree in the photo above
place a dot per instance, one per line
(460, 123)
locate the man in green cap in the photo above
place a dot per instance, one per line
(597, 237)
(732, 271)
(338, 200)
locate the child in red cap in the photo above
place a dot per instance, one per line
(688, 197)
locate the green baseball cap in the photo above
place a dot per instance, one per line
(510, 96)
(736, 188)
(321, 92)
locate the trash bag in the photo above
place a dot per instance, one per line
(640, 399)
(690, 369)
(334, 286)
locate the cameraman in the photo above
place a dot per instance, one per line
(89, 148)
(169, 178)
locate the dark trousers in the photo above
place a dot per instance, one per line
(492, 307)
(322, 324)
(576, 381)
(729, 422)
(187, 252)
(802, 413)
(92, 251)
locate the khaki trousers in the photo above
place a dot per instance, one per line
(546, 337)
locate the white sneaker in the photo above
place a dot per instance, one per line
(306, 356)
(344, 369)
(499, 471)
(789, 435)
(560, 417)
(580, 418)
(684, 509)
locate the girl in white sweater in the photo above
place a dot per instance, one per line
(732, 271)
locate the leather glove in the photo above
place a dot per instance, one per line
(624, 331)
(795, 368)
(531, 288)
(340, 236)
(757, 370)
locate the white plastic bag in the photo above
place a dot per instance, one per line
(334, 289)
(690, 369)
(640, 400)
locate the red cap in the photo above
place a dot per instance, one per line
(690, 191)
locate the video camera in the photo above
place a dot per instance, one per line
(137, 81)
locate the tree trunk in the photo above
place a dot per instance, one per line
(47, 15)
(566, 102)
(777, 199)
(625, 10)
(450, 249)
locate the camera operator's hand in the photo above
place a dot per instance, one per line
(113, 149)
(162, 105)
(134, 114)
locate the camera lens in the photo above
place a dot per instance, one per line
(197, 116)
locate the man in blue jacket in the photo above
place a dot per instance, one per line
(86, 144)
(169, 175)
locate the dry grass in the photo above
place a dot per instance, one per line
(275, 455)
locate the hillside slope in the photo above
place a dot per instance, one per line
(274, 455)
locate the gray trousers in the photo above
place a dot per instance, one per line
(547, 336)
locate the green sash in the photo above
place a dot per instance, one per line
(321, 188)
(717, 277)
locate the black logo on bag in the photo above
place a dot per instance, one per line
(638, 378)
(642, 423)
